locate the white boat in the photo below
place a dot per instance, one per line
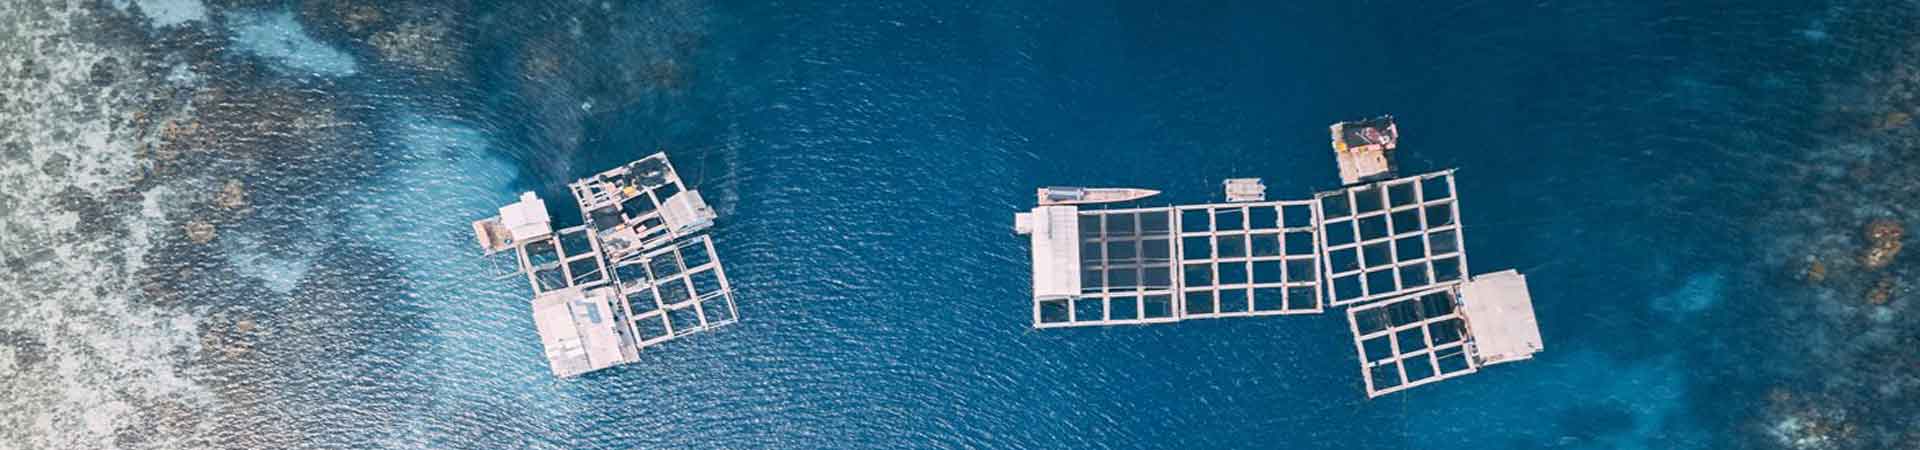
(1084, 196)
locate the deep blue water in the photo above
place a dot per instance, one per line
(866, 159)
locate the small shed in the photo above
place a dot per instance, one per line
(1364, 148)
(578, 330)
(526, 219)
(1056, 250)
(1499, 314)
(687, 212)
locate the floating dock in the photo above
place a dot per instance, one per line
(641, 270)
(1388, 249)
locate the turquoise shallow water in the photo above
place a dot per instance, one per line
(1661, 173)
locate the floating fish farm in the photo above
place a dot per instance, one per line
(640, 271)
(1387, 249)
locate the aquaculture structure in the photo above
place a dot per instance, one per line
(640, 271)
(1387, 249)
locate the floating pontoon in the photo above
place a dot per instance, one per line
(1388, 249)
(1245, 190)
(640, 272)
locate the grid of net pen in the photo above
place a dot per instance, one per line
(1410, 341)
(676, 291)
(1248, 259)
(625, 204)
(1391, 237)
(566, 259)
(1126, 263)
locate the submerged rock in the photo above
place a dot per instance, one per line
(1811, 430)
(1700, 292)
(1816, 271)
(1882, 291)
(1806, 424)
(233, 195)
(200, 231)
(105, 72)
(247, 124)
(55, 166)
(94, 215)
(359, 17)
(426, 46)
(228, 340)
(1883, 243)
(27, 350)
(1885, 230)
(175, 139)
(1893, 120)
(666, 74)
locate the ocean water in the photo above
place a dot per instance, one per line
(244, 224)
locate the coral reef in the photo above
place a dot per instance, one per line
(1854, 326)
(1881, 292)
(1883, 243)
(348, 19)
(86, 353)
(200, 231)
(1815, 271)
(228, 339)
(1801, 423)
(232, 196)
(27, 350)
(426, 45)
(357, 16)
(1893, 120)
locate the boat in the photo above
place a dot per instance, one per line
(1086, 196)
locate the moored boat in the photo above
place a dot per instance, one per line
(1084, 196)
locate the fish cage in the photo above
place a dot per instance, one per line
(1167, 264)
(1248, 259)
(1388, 249)
(1444, 332)
(641, 270)
(1389, 238)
